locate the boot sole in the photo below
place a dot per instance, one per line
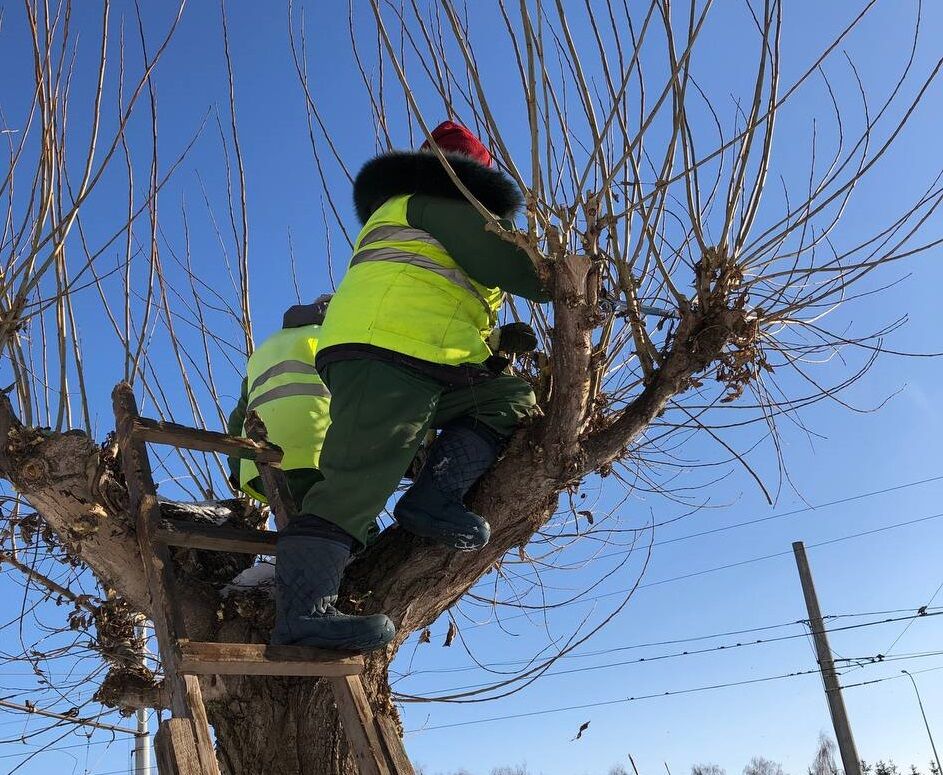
(460, 541)
(453, 541)
(320, 644)
(337, 645)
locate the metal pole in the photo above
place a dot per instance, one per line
(925, 722)
(836, 704)
(142, 742)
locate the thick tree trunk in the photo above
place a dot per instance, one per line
(286, 726)
(280, 727)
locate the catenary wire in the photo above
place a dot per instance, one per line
(627, 700)
(718, 568)
(670, 642)
(794, 512)
(907, 627)
(674, 655)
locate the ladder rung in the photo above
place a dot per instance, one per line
(198, 658)
(160, 432)
(195, 535)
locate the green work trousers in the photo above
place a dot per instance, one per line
(380, 412)
(299, 481)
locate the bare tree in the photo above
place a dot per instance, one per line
(692, 297)
(824, 762)
(707, 769)
(760, 766)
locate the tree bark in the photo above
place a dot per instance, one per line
(287, 726)
(279, 726)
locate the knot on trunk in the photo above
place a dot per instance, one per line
(128, 690)
(129, 684)
(25, 458)
(106, 482)
(118, 640)
(719, 326)
(37, 459)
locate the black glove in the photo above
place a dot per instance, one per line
(516, 338)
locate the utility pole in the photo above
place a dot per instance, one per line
(836, 705)
(142, 741)
(924, 714)
(142, 745)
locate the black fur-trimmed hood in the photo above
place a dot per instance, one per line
(420, 172)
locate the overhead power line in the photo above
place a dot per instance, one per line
(85, 722)
(619, 701)
(783, 515)
(637, 698)
(56, 749)
(829, 542)
(669, 642)
(907, 627)
(875, 659)
(696, 652)
(890, 677)
(746, 523)
(707, 571)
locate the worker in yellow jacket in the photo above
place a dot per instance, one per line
(404, 348)
(284, 388)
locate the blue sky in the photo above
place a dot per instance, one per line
(851, 454)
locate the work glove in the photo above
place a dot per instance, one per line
(515, 338)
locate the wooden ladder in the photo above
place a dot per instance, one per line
(183, 744)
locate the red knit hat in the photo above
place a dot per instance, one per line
(453, 137)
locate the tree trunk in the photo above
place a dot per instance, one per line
(281, 727)
(288, 726)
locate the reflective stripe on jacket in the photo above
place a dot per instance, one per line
(287, 393)
(404, 292)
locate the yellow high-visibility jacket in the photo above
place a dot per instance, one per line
(404, 292)
(284, 388)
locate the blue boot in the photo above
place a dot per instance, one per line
(308, 571)
(433, 507)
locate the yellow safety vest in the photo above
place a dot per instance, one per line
(404, 292)
(286, 391)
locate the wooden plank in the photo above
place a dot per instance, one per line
(358, 722)
(393, 746)
(186, 701)
(196, 535)
(161, 432)
(156, 557)
(175, 748)
(280, 499)
(262, 659)
(201, 725)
